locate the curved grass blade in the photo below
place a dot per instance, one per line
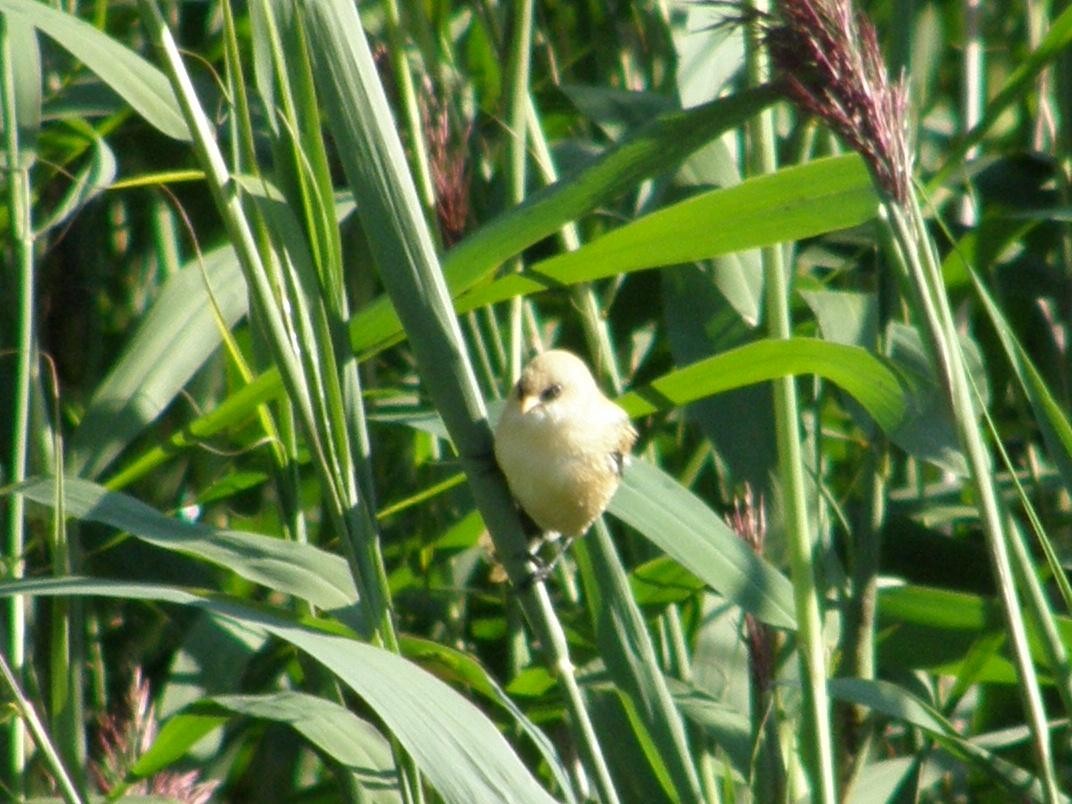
(675, 519)
(460, 751)
(791, 204)
(895, 702)
(137, 81)
(858, 372)
(333, 729)
(292, 568)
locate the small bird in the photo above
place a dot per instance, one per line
(562, 445)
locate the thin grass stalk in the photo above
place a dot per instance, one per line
(65, 646)
(229, 203)
(1039, 611)
(282, 438)
(517, 94)
(925, 275)
(594, 323)
(375, 166)
(411, 113)
(631, 659)
(22, 239)
(859, 617)
(817, 743)
(28, 715)
(343, 416)
(973, 93)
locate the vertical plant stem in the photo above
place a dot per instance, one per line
(19, 211)
(859, 615)
(374, 163)
(817, 739)
(410, 110)
(28, 715)
(298, 369)
(517, 123)
(923, 270)
(596, 332)
(973, 93)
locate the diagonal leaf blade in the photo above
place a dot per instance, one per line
(137, 81)
(456, 746)
(296, 569)
(675, 519)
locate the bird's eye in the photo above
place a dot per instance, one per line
(551, 392)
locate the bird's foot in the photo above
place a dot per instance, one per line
(543, 568)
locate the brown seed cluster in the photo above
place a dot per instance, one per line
(828, 57)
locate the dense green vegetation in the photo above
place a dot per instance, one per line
(267, 266)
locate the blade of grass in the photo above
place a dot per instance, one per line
(629, 655)
(20, 221)
(817, 747)
(462, 752)
(28, 715)
(141, 84)
(375, 166)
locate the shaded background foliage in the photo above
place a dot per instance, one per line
(228, 573)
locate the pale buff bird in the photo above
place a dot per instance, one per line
(562, 444)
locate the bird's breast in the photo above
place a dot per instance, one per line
(562, 476)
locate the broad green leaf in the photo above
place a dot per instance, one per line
(460, 751)
(858, 372)
(172, 342)
(794, 203)
(679, 523)
(465, 671)
(92, 180)
(844, 316)
(212, 659)
(895, 702)
(334, 730)
(880, 781)
(296, 569)
(137, 81)
(929, 432)
(177, 736)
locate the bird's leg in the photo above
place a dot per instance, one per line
(545, 567)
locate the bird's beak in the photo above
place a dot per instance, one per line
(528, 403)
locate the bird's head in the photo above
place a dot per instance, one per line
(553, 383)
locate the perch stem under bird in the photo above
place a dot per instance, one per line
(562, 446)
